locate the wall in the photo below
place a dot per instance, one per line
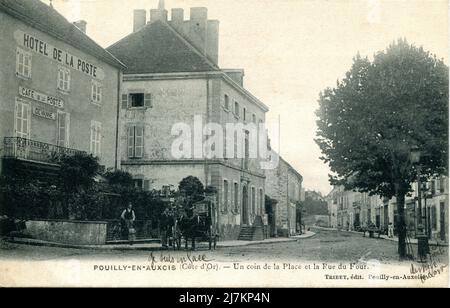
(44, 79)
(279, 183)
(68, 232)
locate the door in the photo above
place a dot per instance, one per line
(442, 220)
(245, 205)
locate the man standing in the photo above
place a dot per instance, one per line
(128, 217)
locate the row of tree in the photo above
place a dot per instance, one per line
(373, 118)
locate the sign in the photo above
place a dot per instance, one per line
(38, 111)
(40, 97)
(61, 56)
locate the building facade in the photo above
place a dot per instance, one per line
(352, 210)
(284, 184)
(172, 89)
(60, 90)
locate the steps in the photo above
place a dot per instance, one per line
(252, 233)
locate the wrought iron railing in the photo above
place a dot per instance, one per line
(22, 148)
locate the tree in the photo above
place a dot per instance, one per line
(192, 187)
(371, 120)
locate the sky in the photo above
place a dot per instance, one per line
(290, 50)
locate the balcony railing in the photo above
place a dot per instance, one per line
(26, 149)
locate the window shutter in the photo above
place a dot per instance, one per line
(124, 101)
(139, 141)
(130, 146)
(148, 100)
(146, 185)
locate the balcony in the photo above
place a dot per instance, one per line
(31, 150)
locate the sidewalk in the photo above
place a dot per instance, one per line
(384, 237)
(155, 245)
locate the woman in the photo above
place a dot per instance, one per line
(128, 219)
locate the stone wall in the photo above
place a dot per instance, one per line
(68, 232)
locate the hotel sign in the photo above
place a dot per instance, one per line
(38, 111)
(61, 56)
(40, 97)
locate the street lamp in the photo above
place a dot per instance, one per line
(422, 238)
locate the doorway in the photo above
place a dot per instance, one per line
(245, 205)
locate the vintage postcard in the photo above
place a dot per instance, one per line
(224, 143)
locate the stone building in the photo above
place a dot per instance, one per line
(284, 184)
(60, 90)
(172, 87)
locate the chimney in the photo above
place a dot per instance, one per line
(212, 41)
(81, 24)
(236, 74)
(198, 30)
(139, 19)
(177, 15)
(160, 13)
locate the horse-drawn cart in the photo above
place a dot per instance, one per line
(199, 224)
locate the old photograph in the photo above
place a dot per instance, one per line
(224, 143)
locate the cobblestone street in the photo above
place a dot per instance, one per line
(329, 246)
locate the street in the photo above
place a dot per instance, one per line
(329, 246)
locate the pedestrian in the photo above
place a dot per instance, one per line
(128, 217)
(164, 225)
(390, 230)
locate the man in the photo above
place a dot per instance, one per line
(165, 222)
(128, 217)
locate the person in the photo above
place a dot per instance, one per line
(390, 230)
(128, 217)
(166, 227)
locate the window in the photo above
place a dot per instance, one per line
(135, 142)
(441, 185)
(254, 118)
(63, 79)
(225, 195)
(139, 183)
(236, 196)
(227, 102)
(137, 100)
(23, 63)
(236, 109)
(96, 92)
(253, 200)
(63, 129)
(96, 129)
(246, 149)
(433, 218)
(261, 201)
(244, 114)
(22, 119)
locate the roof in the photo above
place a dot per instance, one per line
(46, 19)
(158, 48)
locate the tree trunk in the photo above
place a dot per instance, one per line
(400, 198)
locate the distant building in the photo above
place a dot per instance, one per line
(173, 77)
(314, 195)
(352, 210)
(60, 90)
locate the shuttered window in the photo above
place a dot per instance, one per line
(23, 63)
(135, 141)
(96, 135)
(63, 79)
(137, 100)
(22, 119)
(63, 129)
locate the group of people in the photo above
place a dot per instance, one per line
(167, 222)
